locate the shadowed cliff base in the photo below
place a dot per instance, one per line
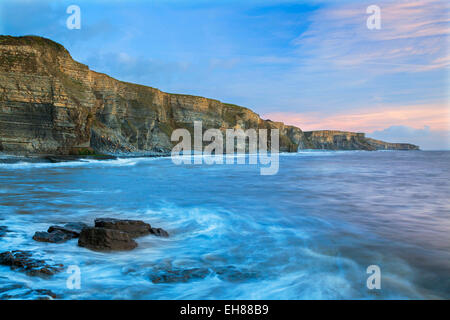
(53, 105)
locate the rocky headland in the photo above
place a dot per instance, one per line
(344, 140)
(54, 106)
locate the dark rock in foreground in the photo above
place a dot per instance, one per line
(73, 228)
(101, 239)
(135, 228)
(108, 234)
(58, 234)
(23, 261)
(52, 237)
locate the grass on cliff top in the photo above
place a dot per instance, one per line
(31, 40)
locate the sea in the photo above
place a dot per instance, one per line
(323, 227)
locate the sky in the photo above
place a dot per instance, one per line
(312, 64)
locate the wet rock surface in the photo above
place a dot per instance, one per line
(52, 237)
(60, 234)
(135, 228)
(159, 232)
(101, 239)
(108, 234)
(22, 261)
(23, 292)
(73, 228)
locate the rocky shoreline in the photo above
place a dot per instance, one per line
(107, 235)
(11, 159)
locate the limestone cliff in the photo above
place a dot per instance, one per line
(51, 104)
(344, 140)
(381, 145)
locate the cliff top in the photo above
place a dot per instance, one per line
(31, 41)
(41, 42)
(331, 132)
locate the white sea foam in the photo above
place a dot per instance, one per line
(308, 233)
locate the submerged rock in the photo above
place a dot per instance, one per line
(23, 292)
(178, 275)
(72, 228)
(22, 261)
(233, 274)
(3, 231)
(102, 239)
(170, 274)
(43, 294)
(52, 237)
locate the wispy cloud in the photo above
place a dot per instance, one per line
(309, 63)
(412, 38)
(436, 116)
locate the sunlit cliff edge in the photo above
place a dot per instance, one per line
(51, 104)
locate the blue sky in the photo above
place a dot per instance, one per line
(314, 64)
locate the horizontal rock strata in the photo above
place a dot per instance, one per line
(53, 105)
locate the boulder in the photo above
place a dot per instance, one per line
(102, 239)
(71, 228)
(52, 237)
(22, 261)
(135, 228)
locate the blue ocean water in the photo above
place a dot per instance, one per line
(308, 232)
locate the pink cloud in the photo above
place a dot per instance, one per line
(436, 116)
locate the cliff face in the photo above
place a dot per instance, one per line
(338, 140)
(381, 145)
(344, 140)
(51, 104)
